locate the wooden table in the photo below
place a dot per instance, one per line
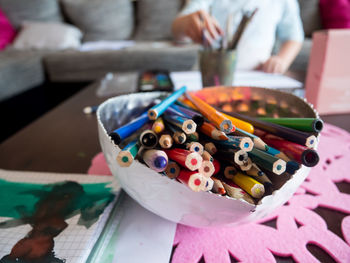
(65, 140)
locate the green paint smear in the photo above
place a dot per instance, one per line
(21, 200)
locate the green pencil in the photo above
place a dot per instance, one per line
(127, 155)
(301, 124)
(267, 161)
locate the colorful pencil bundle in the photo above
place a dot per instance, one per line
(238, 156)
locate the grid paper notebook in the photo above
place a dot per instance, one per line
(32, 220)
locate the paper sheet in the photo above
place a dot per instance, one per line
(143, 236)
(262, 79)
(106, 45)
(193, 80)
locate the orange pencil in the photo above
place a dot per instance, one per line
(243, 125)
(214, 116)
(218, 186)
(212, 132)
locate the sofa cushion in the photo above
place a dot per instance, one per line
(19, 11)
(51, 36)
(310, 15)
(19, 71)
(7, 32)
(335, 13)
(154, 18)
(101, 20)
(70, 66)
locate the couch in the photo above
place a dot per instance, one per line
(145, 21)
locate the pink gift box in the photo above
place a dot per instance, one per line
(328, 78)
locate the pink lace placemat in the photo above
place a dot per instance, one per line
(297, 225)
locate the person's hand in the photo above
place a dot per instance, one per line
(275, 64)
(194, 24)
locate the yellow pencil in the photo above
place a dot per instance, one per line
(248, 184)
(234, 191)
(158, 125)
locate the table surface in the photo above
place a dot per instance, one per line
(65, 140)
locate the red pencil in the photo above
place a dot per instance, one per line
(207, 169)
(300, 153)
(185, 158)
(194, 180)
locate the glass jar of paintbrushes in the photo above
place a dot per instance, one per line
(217, 62)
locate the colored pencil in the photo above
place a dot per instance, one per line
(301, 124)
(234, 191)
(191, 114)
(259, 175)
(230, 171)
(267, 161)
(286, 133)
(210, 148)
(207, 168)
(208, 184)
(172, 170)
(236, 156)
(218, 187)
(214, 116)
(185, 158)
(193, 137)
(126, 130)
(187, 125)
(210, 130)
(127, 155)
(194, 180)
(247, 165)
(238, 142)
(90, 109)
(207, 156)
(258, 142)
(157, 160)
(158, 125)
(159, 109)
(243, 125)
(217, 166)
(178, 136)
(248, 184)
(148, 139)
(166, 141)
(297, 152)
(195, 147)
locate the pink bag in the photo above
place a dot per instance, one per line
(335, 13)
(7, 33)
(327, 84)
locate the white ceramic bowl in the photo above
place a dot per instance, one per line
(173, 200)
